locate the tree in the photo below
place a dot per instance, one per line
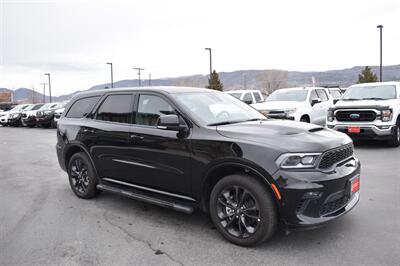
(271, 80)
(214, 83)
(367, 76)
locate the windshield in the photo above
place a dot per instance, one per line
(382, 92)
(36, 107)
(215, 108)
(45, 106)
(18, 107)
(235, 94)
(288, 95)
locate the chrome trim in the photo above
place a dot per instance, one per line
(149, 189)
(134, 163)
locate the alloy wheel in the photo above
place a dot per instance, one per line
(238, 212)
(79, 176)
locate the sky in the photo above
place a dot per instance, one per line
(74, 39)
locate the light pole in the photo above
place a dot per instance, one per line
(149, 79)
(138, 69)
(380, 27)
(48, 74)
(44, 92)
(112, 78)
(209, 49)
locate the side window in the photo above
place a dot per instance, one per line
(313, 95)
(257, 97)
(247, 97)
(150, 108)
(82, 107)
(322, 95)
(116, 108)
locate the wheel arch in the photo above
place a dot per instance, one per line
(74, 148)
(219, 171)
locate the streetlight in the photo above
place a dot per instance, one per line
(380, 27)
(209, 49)
(48, 74)
(44, 92)
(112, 80)
(138, 69)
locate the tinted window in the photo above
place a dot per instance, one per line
(322, 95)
(247, 97)
(82, 107)
(116, 108)
(150, 108)
(257, 97)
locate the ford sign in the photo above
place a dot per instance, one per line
(354, 116)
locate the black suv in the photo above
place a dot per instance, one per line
(186, 148)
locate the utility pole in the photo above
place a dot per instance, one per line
(138, 69)
(380, 27)
(209, 49)
(48, 74)
(112, 74)
(149, 79)
(245, 81)
(44, 92)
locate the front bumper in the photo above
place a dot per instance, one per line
(14, 121)
(312, 198)
(367, 131)
(44, 120)
(29, 121)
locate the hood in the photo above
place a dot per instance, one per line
(277, 105)
(288, 136)
(365, 103)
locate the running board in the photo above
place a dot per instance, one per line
(144, 198)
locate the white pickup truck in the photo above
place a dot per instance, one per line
(305, 104)
(368, 111)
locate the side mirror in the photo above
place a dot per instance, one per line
(315, 101)
(335, 101)
(169, 122)
(248, 101)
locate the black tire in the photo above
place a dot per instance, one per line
(53, 124)
(305, 119)
(253, 220)
(82, 176)
(395, 140)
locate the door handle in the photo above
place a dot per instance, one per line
(136, 137)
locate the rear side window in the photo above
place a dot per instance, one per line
(257, 97)
(151, 108)
(247, 97)
(82, 107)
(116, 108)
(335, 94)
(322, 95)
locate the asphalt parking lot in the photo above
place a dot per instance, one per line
(42, 222)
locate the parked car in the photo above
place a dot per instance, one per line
(247, 96)
(185, 148)
(57, 115)
(28, 116)
(12, 116)
(308, 104)
(45, 115)
(369, 111)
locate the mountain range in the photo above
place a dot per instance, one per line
(241, 79)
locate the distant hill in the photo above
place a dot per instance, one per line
(237, 79)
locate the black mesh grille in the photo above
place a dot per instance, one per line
(354, 115)
(331, 157)
(332, 206)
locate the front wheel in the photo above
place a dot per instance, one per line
(395, 139)
(243, 210)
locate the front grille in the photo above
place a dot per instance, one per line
(334, 156)
(276, 112)
(355, 115)
(333, 206)
(39, 114)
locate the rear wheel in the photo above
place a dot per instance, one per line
(82, 176)
(242, 210)
(305, 119)
(395, 139)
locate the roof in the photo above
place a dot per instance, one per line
(299, 88)
(241, 91)
(395, 83)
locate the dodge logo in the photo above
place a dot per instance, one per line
(354, 116)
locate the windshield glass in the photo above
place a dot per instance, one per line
(29, 107)
(213, 108)
(18, 107)
(45, 106)
(382, 92)
(235, 94)
(36, 107)
(288, 95)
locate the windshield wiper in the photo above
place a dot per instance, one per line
(351, 99)
(373, 98)
(235, 122)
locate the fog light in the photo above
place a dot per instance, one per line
(383, 127)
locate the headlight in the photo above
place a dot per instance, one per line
(290, 111)
(297, 160)
(386, 115)
(330, 116)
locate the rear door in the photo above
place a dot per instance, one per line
(107, 135)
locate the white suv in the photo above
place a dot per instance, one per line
(4, 116)
(247, 96)
(307, 104)
(369, 111)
